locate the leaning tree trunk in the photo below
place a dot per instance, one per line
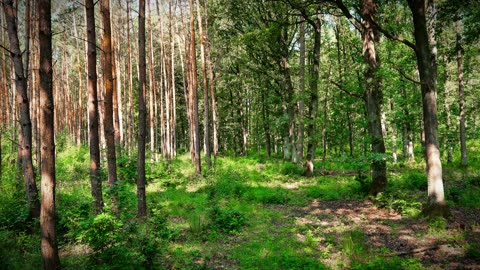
(436, 204)
(142, 113)
(25, 135)
(95, 177)
(47, 215)
(373, 98)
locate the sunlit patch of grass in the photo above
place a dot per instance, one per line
(332, 188)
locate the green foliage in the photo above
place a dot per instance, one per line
(14, 213)
(292, 169)
(268, 195)
(127, 168)
(386, 263)
(19, 250)
(227, 220)
(401, 202)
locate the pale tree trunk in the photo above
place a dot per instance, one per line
(25, 134)
(49, 246)
(407, 129)
(109, 131)
(394, 134)
(194, 89)
(373, 97)
(461, 95)
(93, 135)
(206, 114)
(79, 118)
(130, 115)
(142, 113)
(436, 203)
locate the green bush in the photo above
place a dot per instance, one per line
(292, 169)
(393, 263)
(267, 195)
(227, 220)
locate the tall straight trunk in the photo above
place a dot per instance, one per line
(130, 114)
(50, 256)
(373, 97)
(151, 82)
(301, 103)
(407, 128)
(461, 95)
(394, 133)
(206, 113)
(25, 134)
(142, 113)
(115, 100)
(211, 78)
(173, 115)
(436, 203)
(79, 111)
(448, 120)
(95, 177)
(194, 90)
(313, 105)
(109, 131)
(266, 124)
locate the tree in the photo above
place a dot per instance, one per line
(193, 93)
(50, 256)
(21, 84)
(142, 112)
(436, 203)
(461, 94)
(108, 84)
(93, 135)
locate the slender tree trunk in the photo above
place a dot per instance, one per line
(313, 105)
(394, 134)
(130, 115)
(436, 203)
(109, 131)
(206, 113)
(461, 95)
(151, 79)
(50, 256)
(25, 134)
(301, 103)
(373, 98)
(142, 112)
(448, 120)
(194, 89)
(93, 135)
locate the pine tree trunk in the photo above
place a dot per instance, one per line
(109, 131)
(25, 134)
(194, 90)
(206, 113)
(151, 80)
(301, 103)
(142, 112)
(93, 133)
(49, 246)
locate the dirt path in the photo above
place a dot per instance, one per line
(438, 245)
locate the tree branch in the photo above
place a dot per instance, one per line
(350, 93)
(392, 37)
(6, 49)
(406, 76)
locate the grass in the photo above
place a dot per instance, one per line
(246, 213)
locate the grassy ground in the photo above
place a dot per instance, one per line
(250, 213)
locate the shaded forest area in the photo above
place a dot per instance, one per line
(239, 134)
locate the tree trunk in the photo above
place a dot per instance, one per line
(448, 120)
(25, 135)
(194, 89)
(206, 113)
(373, 98)
(93, 135)
(301, 102)
(151, 79)
(313, 105)
(461, 95)
(436, 204)
(142, 112)
(394, 134)
(109, 131)
(50, 256)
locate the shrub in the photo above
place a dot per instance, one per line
(292, 169)
(227, 220)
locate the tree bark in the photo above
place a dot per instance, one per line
(313, 105)
(436, 203)
(206, 113)
(301, 102)
(109, 131)
(461, 94)
(373, 97)
(50, 256)
(25, 135)
(142, 112)
(93, 133)
(194, 89)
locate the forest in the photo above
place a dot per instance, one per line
(239, 134)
